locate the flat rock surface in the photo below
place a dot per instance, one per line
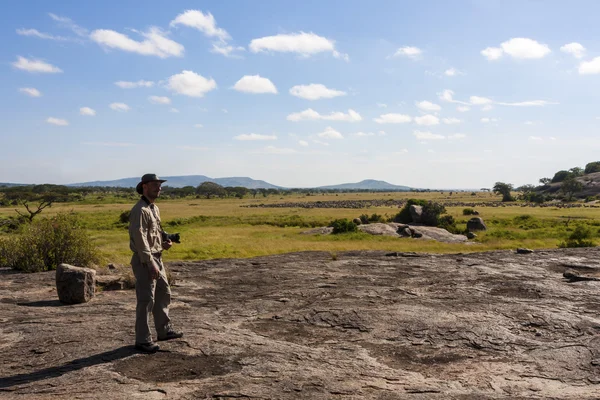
(367, 325)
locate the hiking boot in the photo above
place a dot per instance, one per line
(147, 347)
(171, 334)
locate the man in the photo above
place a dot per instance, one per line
(151, 288)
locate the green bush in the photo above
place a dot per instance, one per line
(592, 167)
(403, 216)
(343, 226)
(364, 219)
(431, 213)
(48, 242)
(581, 237)
(124, 217)
(376, 218)
(469, 211)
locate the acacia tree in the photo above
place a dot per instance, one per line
(569, 187)
(504, 189)
(209, 189)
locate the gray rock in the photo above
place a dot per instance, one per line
(471, 235)
(476, 224)
(75, 285)
(416, 213)
(357, 221)
(524, 251)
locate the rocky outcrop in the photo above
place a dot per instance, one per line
(476, 224)
(75, 285)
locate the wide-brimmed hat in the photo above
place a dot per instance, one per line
(146, 179)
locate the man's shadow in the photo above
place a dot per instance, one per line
(74, 365)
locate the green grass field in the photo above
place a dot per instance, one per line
(222, 228)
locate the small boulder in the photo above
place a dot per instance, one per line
(476, 224)
(524, 251)
(471, 235)
(416, 213)
(357, 221)
(75, 285)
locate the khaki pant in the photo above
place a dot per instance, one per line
(152, 296)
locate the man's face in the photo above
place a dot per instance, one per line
(152, 190)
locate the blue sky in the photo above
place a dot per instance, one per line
(438, 94)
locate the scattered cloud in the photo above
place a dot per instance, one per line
(536, 138)
(411, 52)
(479, 101)
(57, 121)
(156, 42)
(453, 72)
(42, 35)
(226, 50)
(393, 119)
(488, 120)
(420, 135)
(121, 107)
(190, 84)
(69, 24)
(427, 120)
(363, 134)
(381, 105)
(302, 43)
(132, 85)
(315, 91)
(159, 100)
(87, 111)
(520, 48)
(320, 142)
(330, 133)
(254, 136)
(303, 143)
(173, 110)
(448, 95)
(35, 66)
(428, 106)
(381, 133)
(33, 92)
(311, 114)
(463, 108)
(451, 121)
(590, 67)
(198, 126)
(278, 150)
(255, 84)
(205, 23)
(575, 49)
(532, 103)
(487, 107)
(457, 136)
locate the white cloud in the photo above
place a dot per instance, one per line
(315, 91)
(381, 133)
(304, 44)
(159, 100)
(427, 136)
(531, 103)
(457, 136)
(34, 66)
(320, 142)
(57, 121)
(463, 108)
(330, 133)
(535, 138)
(277, 150)
(226, 50)
(525, 48)
(488, 120)
(33, 92)
(487, 107)
(255, 84)
(131, 85)
(311, 114)
(156, 43)
(121, 107)
(87, 111)
(428, 106)
(401, 151)
(479, 101)
(198, 126)
(492, 53)
(303, 143)
(254, 136)
(590, 67)
(205, 23)
(190, 84)
(393, 119)
(173, 110)
(427, 120)
(42, 35)
(408, 51)
(447, 95)
(381, 105)
(69, 24)
(451, 121)
(452, 72)
(575, 49)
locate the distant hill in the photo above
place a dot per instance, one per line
(368, 184)
(188, 180)
(10, 184)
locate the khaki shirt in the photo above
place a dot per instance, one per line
(145, 230)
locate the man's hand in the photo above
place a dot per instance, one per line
(167, 245)
(153, 270)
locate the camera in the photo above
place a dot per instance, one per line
(173, 237)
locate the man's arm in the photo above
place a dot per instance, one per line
(139, 232)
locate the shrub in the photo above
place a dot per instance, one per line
(343, 225)
(48, 242)
(403, 216)
(124, 217)
(448, 223)
(431, 213)
(592, 167)
(376, 218)
(581, 237)
(364, 219)
(469, 211)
